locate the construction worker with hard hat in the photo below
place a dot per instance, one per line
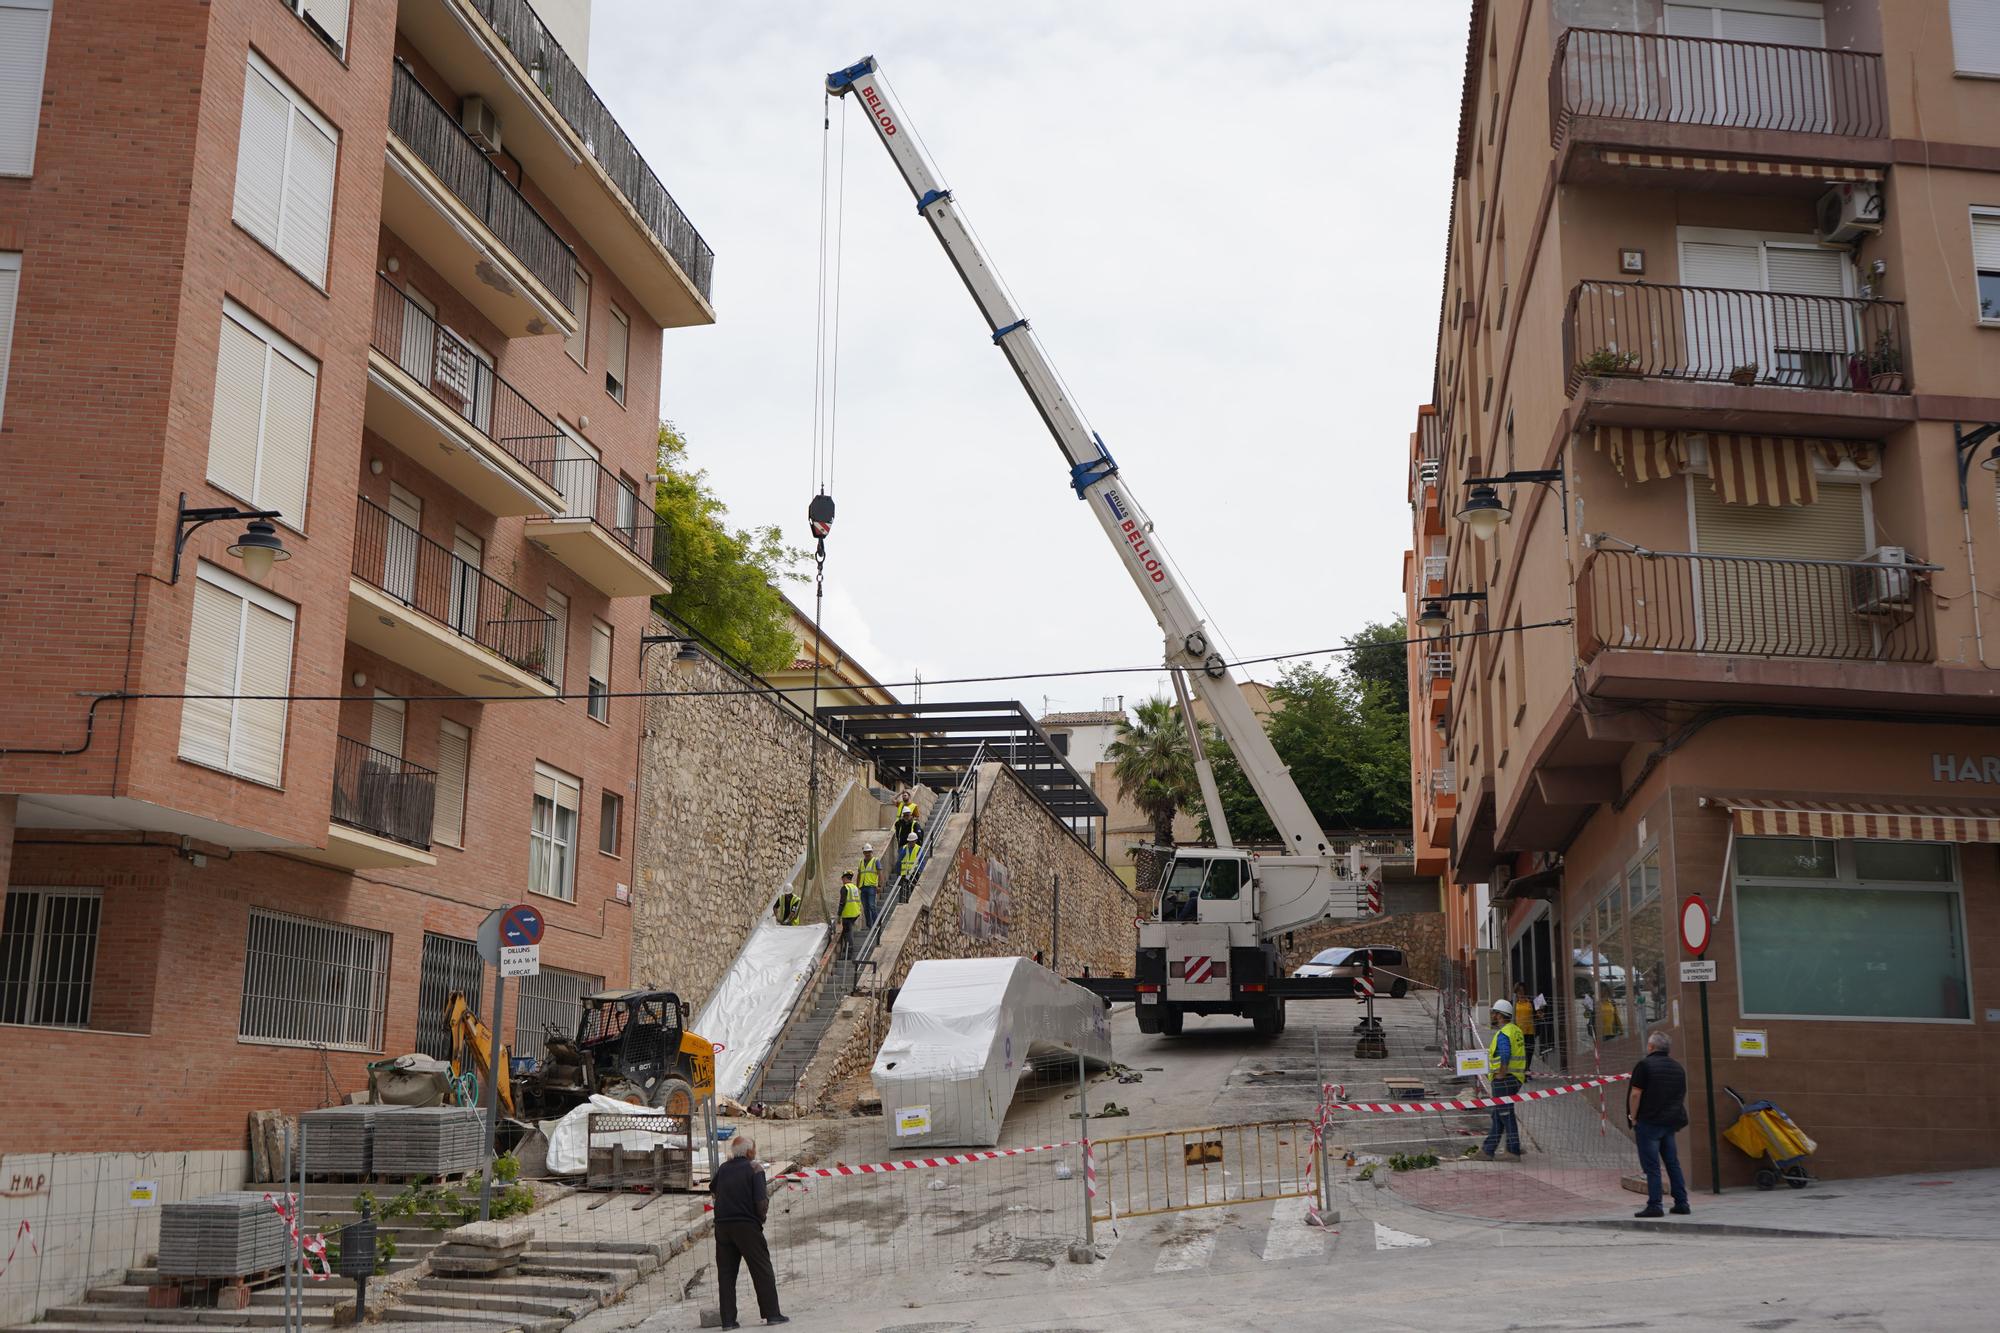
(868, 875)
(787, 908)
(906, 868)
(1506, 1067)
(850, 912)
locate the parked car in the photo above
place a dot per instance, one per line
(1345, 963)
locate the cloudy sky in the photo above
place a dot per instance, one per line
(1226, 223)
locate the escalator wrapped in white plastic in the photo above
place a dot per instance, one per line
(962, 1033)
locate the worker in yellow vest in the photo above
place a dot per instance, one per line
(1506, 1067)
(850, 912)
(868, 875)
(787, 908)
(906, 869)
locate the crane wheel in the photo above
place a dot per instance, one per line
(1269, 1018)
(675, 1096)
(1170, 1022)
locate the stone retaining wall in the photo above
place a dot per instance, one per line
(1420, 935)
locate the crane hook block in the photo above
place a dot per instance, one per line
(820, 514)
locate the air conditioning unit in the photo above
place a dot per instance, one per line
(1848, 211)
(1883, 585)
(480, 122)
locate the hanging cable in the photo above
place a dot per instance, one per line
(839, 249)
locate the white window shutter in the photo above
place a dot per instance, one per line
(385, 726)
(600, 652)
(24, 55)
(578, 343)
(308, 212)
(454, 755)
(331, 15)
(1806, 271)
(619, 351)
(213, 638)
(1985, 247)
(287, 452)
(558, 636)
(1975, 36)
(260, 156)
(239, 403)
(10, 291)
(258, 750)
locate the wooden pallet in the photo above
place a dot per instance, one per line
(216, 1293)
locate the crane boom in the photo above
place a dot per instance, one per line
(1093, 474)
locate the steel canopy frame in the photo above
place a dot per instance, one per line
(933, 743)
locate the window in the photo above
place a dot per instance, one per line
(558, 645)
(610, 818)
(1850, 930)
(385, 725)
(551, 1001)
(578, 343)
(284, 171)
(1975, 36)
(313, 983)
(552, 835)
(239, 643)
(449, 964)
(1985, 263)
(600, 671)
(615, 357)
(260, 436)
(48, 956)
(10, 290)
(327, 18)
(454, 756)
(24, 53)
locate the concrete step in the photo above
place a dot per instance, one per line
(618, 1270)
(486, 1323)
(594, 1247)
(102, 1318)
(125, 1293)
(554, 1289)
(499, 1301)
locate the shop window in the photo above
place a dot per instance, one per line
(1880, 937)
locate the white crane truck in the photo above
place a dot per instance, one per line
(1211, 943)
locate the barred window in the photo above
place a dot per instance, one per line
(449, 964)
(314, 983)
(552, 999)
(48, 956)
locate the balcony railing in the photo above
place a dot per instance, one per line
(1725, 334)
(563, 82)
(433, 134)
(1437, 666)
(394, 557)
(459, 378)
(593, 491)
(1434, 569)
(1678, 602)
(1444, 779)
(1707, 81)
(381, 794)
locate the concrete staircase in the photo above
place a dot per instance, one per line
(801, 1039)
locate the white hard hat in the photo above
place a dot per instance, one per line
(1504, 1007)
(867, 846)
(911, 838)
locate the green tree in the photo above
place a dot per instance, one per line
(1155, 766)
(1345, 736)
(725, 579)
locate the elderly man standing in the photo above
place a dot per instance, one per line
(742, 1201)
(1656, 1109)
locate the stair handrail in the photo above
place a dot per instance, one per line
(942, 810)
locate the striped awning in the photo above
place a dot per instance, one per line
(1641, 453)
(1760, 817)
(1776, 469)
(1739, 166)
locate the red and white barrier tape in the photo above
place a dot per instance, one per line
(23, 1230)
(314, 1245)
(1473, 1103)
(918, 1163)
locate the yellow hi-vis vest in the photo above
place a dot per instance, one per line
(908, 866)
(870, 873)
(1517, 1053)
(787, 910)
(850, 901)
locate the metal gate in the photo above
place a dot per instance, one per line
(450, 964)
(1215, 1166)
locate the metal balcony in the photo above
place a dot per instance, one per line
(606, 533)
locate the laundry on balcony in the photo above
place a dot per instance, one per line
(1739, 166)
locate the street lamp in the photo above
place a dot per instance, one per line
(1434, 620)
(1484, 512)
(258, 548)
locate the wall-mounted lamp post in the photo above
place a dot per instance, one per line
(258, 548)
(1484, 511)
(1434, 620)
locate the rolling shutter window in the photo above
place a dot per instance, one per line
(578, 343)
(558, 636)
(1975, 36)
(284, 171)
(615, 357)
(24, 53)
(385, 727)
(10, 288)
(454, 755)
(1985, 259)
(260, 436)
(1832, 529)
(600, 670)
(331, 16)
(239, 645)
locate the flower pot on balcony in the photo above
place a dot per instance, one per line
(1743, 376)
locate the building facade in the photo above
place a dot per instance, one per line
(394, 276)
(1720, 332)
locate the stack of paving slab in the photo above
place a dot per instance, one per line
(340, 1140)
(221, 1235)
(429, 1141)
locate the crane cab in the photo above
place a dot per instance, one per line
(1207, 885)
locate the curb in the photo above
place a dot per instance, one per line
(1658, 1226)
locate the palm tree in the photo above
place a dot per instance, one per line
(1154, 766)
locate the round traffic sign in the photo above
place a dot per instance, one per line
(1694, 924)
(521, 925)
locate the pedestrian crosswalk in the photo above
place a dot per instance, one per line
(1213, 1240)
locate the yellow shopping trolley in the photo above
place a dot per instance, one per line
(1762, 1130)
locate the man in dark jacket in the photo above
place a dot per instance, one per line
(741, 1203)
(1656, 1109)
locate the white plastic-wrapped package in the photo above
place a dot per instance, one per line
(962, 1032)
(748, 1009)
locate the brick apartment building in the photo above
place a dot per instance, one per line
(394, 272)
(1721, 317)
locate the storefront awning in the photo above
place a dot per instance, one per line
(1760, 817)
(1739, 166)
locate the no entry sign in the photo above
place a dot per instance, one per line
(1694, 924)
